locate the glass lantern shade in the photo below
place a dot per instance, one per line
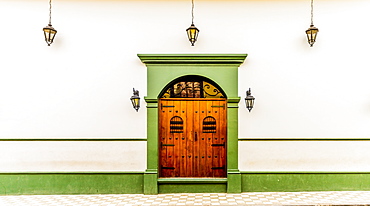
(192, 32)
(49, 33)
(249, 101)
(135, 100)
(311, 34)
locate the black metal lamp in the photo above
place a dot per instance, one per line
(192, 31)
(192, 34)
(312, 31)
(311, 34)
(135, 100)
(249, 100)
(49, 31)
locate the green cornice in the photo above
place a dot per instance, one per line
(150, 100)
(192, 58)
(233, 100)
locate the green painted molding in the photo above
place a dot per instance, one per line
(233, 171)
(151, 171)
(192, 180)
(302, 139)
(233, 100)
(150, 100)
(162, 69)
(69, 172)
(70, 183)
(234, 183)
(192, 58)
(305, 181)
(74, 139)
(102, 182)
(304, 172)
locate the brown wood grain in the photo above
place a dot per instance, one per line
(192, 153)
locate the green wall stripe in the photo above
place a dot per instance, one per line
(300, 182)
(58, 184)
(304, 172)
(192, 180)
(144, 139)
(304, 139)
(71, 172)
(74, 139)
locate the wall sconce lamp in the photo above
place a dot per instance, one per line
(192, 31)
(312, 31)
(49, 31)
(249, 100)
(135, 100)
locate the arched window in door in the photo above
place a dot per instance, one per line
(193, 87)
(209, 125)
(176, 125)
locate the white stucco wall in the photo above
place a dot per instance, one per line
(80, 86)
(344, 156)
(74, 156)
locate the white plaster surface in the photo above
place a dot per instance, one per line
(348, 156)
(74, 156)
(80, 86)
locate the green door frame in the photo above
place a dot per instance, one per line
(163, 69)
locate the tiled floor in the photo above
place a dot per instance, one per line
(256, 198)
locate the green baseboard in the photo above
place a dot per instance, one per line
(305, 181)
(192, 188)
(133, 183)
(70, 183)
(192, 185)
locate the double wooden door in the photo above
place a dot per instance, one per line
(192, 137)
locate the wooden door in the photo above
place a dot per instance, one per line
(192, 137)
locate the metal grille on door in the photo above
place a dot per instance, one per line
(209, 125)
(176, 125)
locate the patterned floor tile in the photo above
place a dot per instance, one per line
(358, 198)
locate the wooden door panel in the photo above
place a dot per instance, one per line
(198, 150)
(217, 143)
(189, 138)
(203, 172)
(167, 166)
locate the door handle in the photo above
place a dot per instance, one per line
(196, 136)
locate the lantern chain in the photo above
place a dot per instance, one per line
(311, 12)
(50, 12)
(192, 11)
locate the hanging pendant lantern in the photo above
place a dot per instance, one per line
(192, 34)
(192, 31)
(311, 34)
(312, 31)
(49, 31)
